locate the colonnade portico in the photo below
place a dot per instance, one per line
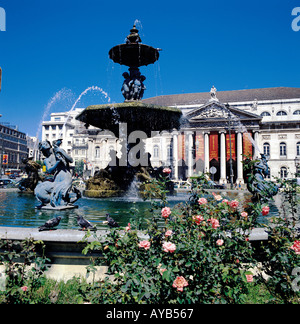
(207, 140)
(195, 163)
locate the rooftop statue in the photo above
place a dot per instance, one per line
(213, 93)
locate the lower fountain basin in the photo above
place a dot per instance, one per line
(135, 114)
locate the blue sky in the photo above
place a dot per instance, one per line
(54, 44)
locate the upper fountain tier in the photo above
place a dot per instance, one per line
(135, 114)
(133, 53)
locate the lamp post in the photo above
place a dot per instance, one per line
(297, 164)
(230, 147)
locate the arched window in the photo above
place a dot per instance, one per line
(298, 148)
(265, 113)
(266, 149)
(296, 112)
(281, 113)
(97, 152)
(283, 173)
(282, 148)
(156, 151)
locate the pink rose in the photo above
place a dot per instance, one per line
(244, 214)
(162, 270)
(169, 247)
(166, 212)
(249, 277)
(296, 247)
(198, 219)
(24, 288)
(214, 223)
(145, 244)
(180, 283)
(168, 233)
(202, 201)
(234, 204)
(167, 170)
(220, 242)
(225, 201)
(217, 197)
(128, 227)
(265, 210)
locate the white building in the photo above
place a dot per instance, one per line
(271, 117)
(277, 133)
(33, 147)
(63, 125)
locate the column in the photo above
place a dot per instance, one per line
(190, 154)
(239, 158)
(223, 179)
(206, 152)
(256, 146)
(175, 156)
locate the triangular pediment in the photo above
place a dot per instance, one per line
(214, 110)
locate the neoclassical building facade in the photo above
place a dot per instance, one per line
(218, 130)
(258, 120)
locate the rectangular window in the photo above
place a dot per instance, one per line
(282, 149)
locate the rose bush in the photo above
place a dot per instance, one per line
(193, 247)
(198, 252)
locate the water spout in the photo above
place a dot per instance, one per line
(59, 95)
(92, 88)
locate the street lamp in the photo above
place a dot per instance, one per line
(297, 164)
(230, 146)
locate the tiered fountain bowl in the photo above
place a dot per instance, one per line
(137, 116)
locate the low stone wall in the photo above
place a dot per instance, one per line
(64, 249)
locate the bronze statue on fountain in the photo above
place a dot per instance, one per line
(256, 171)
(56, 193)
(33, 177)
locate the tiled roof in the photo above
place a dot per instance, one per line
(279, 93)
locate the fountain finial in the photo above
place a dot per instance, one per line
(133, 37)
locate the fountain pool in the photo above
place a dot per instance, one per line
(18, 209)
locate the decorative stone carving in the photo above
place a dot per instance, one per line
(212, 112)
(266, 137)
(282, 136)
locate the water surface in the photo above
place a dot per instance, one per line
(18, 209)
